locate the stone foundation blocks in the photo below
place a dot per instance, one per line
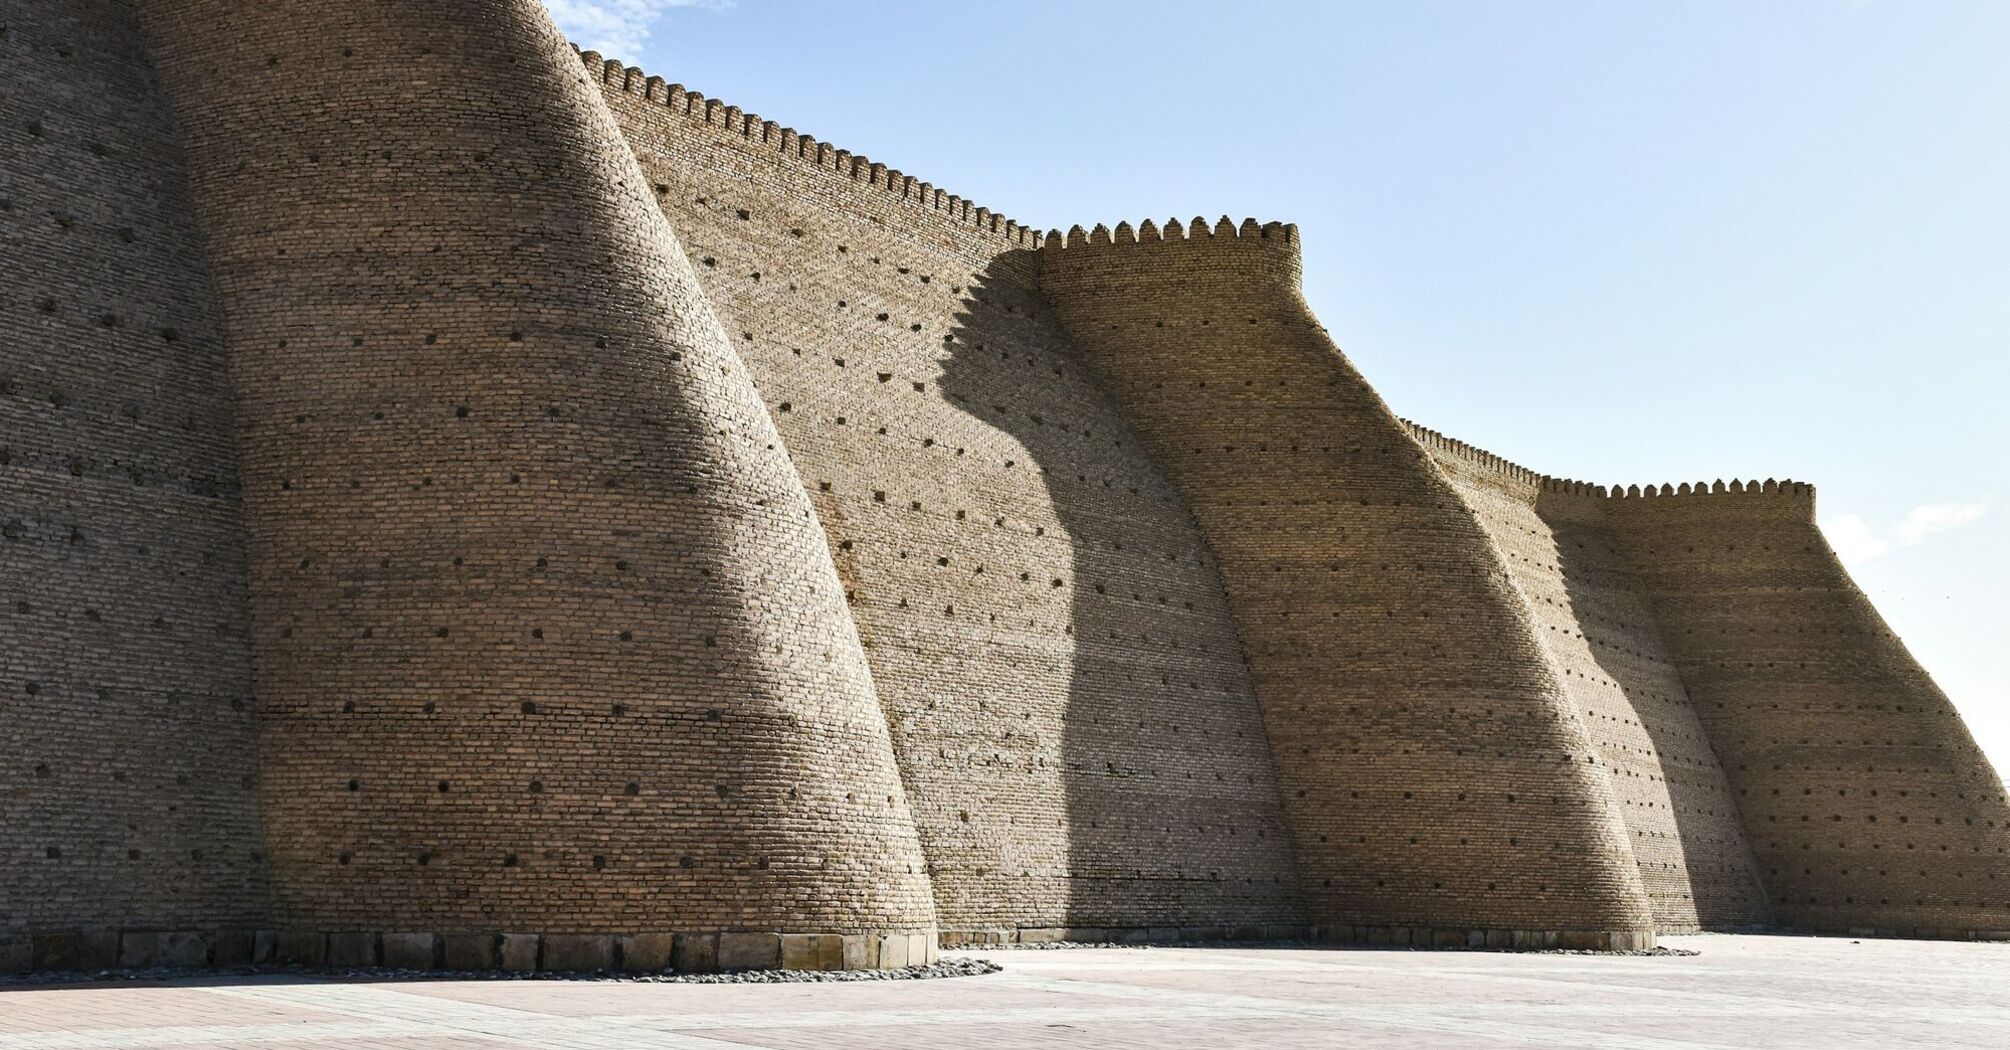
(695, 953)
(519, 952)
(469, 951)
(812, 951)
(750, 951)
(410, 951)
(350, 948)
(647, 952)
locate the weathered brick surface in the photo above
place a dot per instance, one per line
(619, 599)
(547, 636)
(1867, 804)
(127, 748)
(1562, 552)
(1049, 636)
(1435, 770)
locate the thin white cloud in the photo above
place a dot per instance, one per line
(1856, 540)
(616, 28)
(1922, 522)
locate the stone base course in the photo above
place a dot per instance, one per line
(672, 952)
(1408, 936)
(653, 952)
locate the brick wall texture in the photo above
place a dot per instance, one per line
(467, 503)
(128, 779)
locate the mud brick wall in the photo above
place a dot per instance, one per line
(1435, 770)
(466, 502)
(128, 793)
(1583, 594)
(1046, 625)
(547, 636)
(1866, 803)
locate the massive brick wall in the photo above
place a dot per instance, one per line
(1045, 624)
(1583, 595)
(127, 766)
(1436, 773)
(601, 584)
(547, 636)
(1866, 803)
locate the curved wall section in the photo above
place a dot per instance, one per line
(128, 795)
(547, 631)
(1046, 626)
(1583, 595)
(1867, 805)
(1435, 774)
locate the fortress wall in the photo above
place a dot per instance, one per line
(128, 780)
(548, 639)
(1583, 595)
(1866, 803)
(1436, 773)
(1045, 624)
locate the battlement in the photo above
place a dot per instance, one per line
(729, 551)
(1174, 231)
(1768, 487)
(789, 142)
(1479, 457)
(1474, 455)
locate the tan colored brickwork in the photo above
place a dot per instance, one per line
(1583, 595)
(1867, 804)
(1434, 768)
(1051, 642)
(127, 749)
(624, 598)
(547, 638)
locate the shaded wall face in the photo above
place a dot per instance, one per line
(128, 779)
(545, 622)
(1866, 803)
(1045, 625)
(1434, 768)
(1583, 596)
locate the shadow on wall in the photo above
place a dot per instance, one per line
(1173, 812)
(1714, 863)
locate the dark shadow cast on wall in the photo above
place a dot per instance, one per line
(1711, 862)
(1173, 813)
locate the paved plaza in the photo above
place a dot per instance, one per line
(1758, 992)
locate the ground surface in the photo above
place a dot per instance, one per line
(1762, 992)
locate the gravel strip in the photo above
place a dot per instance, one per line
(1315, 946)
(945, 968)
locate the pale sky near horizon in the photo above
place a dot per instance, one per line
(1625, 242)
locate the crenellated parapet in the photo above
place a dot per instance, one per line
(1474, 455)
(1173, 232)
(803, 147)
(1799, 491)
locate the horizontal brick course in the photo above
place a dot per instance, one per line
(668, 541)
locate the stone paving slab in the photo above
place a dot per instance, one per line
(1753, 993)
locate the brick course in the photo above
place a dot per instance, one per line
(665, 539)
(1568, 563)
(128, 776)
(547, 638)
(1434, 771)
(1052, 646)
(1868, 807)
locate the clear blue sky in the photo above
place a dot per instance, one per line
(1626, 242)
